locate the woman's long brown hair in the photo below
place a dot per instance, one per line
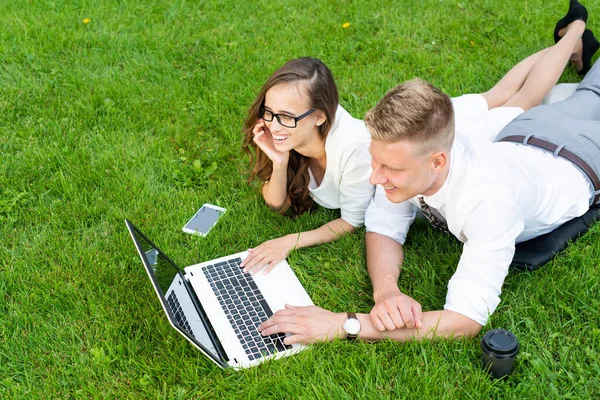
(320, 87)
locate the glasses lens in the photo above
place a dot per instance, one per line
(287, 121)
(266, 115)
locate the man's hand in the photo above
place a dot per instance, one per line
(306, 324)
(395, 310)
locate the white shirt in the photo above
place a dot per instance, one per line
(496, 195)
(346, 183)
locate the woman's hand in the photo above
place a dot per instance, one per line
(264, 140)
(269, 254)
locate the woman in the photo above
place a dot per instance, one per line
(309, 149)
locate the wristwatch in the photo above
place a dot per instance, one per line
(351, 326)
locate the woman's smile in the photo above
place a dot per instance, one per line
(278, 139)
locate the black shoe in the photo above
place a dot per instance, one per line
(590, 46)
(576, 12)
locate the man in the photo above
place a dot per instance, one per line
(491, 195)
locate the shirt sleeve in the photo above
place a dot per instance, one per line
(356, 191)
(491, 231)
(389, 219)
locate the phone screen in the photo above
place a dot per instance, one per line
(204, 219)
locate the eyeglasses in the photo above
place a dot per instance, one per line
(284, 120)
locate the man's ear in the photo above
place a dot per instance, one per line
(439, 160)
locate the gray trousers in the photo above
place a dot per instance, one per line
(573, 123)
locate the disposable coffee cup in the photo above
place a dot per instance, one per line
(499, 348)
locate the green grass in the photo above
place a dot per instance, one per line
(138, 115)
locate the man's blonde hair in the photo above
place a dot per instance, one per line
(415, 111)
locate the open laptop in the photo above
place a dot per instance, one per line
(217, 307)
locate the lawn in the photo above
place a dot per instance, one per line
(133, 109)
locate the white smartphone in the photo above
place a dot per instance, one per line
(206, 217)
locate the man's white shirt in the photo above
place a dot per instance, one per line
(496, 195)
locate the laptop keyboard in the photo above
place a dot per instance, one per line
(245, 307)
(178, 313)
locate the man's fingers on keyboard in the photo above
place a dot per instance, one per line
(275, 319)
(286, 312)
(293, 339)
(277, 328)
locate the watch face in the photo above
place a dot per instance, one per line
(352, 326)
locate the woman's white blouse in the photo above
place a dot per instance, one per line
(346, 182)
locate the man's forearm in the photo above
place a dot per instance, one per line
(384, 260)
(435, 324)
(309, 324)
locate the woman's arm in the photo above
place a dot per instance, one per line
(327, 233)
(272, 252)
(274, 191)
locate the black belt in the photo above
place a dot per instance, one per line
(564, 153)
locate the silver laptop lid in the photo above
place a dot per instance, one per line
(164, 274)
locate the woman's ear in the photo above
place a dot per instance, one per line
(320, 118)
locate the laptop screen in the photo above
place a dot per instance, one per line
(172, 292)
